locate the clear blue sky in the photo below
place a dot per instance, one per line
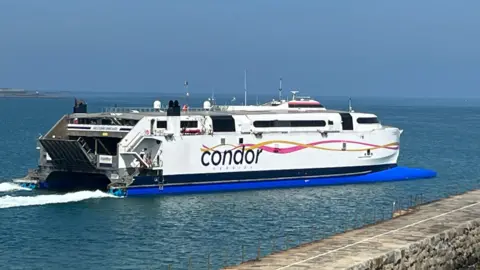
(384, 48)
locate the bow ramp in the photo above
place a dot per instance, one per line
(69, 154)
(69, 164)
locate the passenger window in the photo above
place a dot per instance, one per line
(367, 120)
(223, 123)
(162, 124)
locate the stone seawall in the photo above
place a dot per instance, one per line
(444, 234)
(456, 248)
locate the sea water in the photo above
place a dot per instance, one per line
(92, 230)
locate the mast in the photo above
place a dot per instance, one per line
(187, 94)
(245, 87)
(280, 90)
(213, 96)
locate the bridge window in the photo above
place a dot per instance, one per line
(162, 124)
(367, 120)
(188, 124)
(288, 123)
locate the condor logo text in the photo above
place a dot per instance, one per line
(229, 157)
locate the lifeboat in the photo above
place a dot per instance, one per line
(304, 104)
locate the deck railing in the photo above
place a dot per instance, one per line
(130, 109)
(152, 110)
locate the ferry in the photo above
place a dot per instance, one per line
(174, 150)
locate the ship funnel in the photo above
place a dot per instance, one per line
(173, 108)
(80, 106)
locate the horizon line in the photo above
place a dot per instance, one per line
(208, 94)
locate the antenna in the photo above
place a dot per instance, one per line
(245, 86)
(280, 90)
(294, 93)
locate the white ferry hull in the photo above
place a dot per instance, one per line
(274, 157)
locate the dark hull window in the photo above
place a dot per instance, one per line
(287, 123)
(106, 121)
(223, 123)
(347, 122)
(162, 124)
(367, 120)
(305, 106)
(188, 124)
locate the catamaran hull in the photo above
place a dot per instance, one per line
(388, 174)
(208, 183)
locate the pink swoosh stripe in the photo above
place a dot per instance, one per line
(299, 147)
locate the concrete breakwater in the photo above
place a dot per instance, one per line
(444, 234)
(455, 248)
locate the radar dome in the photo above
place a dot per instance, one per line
(207, 105)
(157, 104)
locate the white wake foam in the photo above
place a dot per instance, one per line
(17, 201)
(7, 187)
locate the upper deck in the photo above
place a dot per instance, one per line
(118, 121)
(122, 119)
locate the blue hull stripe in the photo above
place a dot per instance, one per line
(393, 174)
(258, 175)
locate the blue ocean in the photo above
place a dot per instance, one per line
(91, 230)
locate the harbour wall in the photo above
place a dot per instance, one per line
(456, 248)
(443, 234)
